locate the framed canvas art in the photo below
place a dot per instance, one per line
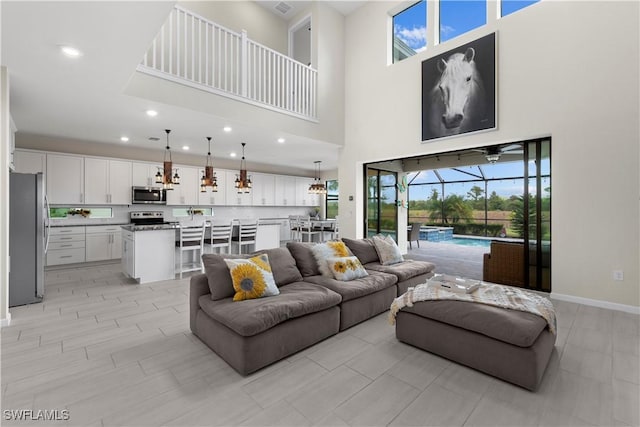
(459, 90)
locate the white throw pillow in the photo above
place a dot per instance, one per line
(323, 251)
(387, 249)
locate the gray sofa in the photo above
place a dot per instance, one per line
(254, 333)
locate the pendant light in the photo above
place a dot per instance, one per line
(243, 181)
(209, 178)
(317, 187)
(165, 177)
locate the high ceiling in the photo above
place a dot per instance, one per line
(84, 98)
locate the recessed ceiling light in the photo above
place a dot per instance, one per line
(232, 154)
(124, 138)
(281, 140)
(227, 128)
(152, 113)
(70, 51)
(185, 147)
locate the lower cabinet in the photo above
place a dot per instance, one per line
(66, 245)
(103, 242)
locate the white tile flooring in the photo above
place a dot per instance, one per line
(115, 353)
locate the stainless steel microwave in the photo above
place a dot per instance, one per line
(148, 195)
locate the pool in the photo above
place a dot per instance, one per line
(465, 241)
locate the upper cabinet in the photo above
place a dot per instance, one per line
(209, 197)
(30, 161)
(263, 187)
(107, 181)
(65, 179)
(144, 174)
(285, 191)
(185, 193)
(303, 197)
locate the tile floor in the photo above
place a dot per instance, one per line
(114, 353)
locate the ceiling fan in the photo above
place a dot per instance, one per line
(493, 153)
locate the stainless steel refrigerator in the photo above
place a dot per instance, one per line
(28, 238)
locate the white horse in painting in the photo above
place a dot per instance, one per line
(458, 98)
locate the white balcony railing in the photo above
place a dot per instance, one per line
(196, 52)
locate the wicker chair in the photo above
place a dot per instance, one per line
(505, 265)
(414, 233)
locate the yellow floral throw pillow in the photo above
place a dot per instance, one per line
(323, 251)
(252, 278)
(346, 268)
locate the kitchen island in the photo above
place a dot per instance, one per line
(148, 252)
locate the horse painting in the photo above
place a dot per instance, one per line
(458, 98)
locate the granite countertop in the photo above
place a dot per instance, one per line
(53, 224)
(150, 227)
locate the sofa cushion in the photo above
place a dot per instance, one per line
(218, 276)
(346, 268)
(403, 270)
(387, 249)
(305, 260)
(252, 278)
(356, 288)
(363, 249)
(251, 317)
(322, 252)
(283, 266)
(511, 326)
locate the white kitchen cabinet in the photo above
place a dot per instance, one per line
(285, 190)
(144, 174)
(103, 242)
(30, 161)
(233, 197)
(149, 255)
(303, 197)
(107, 181)
(263, 188)
(209, 198)
(65, 179)
(185, 193)
(66, 245)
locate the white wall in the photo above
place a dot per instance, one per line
(5, 130)
(568, 70)
(260, 24)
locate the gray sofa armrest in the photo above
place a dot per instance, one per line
(198, 286)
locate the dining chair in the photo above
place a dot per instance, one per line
(246, 233)
(332, 230)
(307, 229)
(192, 242)
(220, 236)
(294, 227)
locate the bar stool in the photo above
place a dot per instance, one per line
(191, 240)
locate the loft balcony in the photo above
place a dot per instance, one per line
(195, 52)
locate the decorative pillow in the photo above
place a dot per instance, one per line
(346, 268)
(252, 278)
(323, 251)
(388, 250)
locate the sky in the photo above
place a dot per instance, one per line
(456, 17)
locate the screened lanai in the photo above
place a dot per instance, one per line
(466, 199)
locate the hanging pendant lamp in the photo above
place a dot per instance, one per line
(243, 181)
(209, 178)
(317, 187)
(164, 174)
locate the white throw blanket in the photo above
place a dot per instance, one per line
(488, 293)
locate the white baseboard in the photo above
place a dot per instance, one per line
(6, 322)
(597, 303)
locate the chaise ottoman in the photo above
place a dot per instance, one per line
(511, 345)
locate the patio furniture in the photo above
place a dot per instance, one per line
(414, 233)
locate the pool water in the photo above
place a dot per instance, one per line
(464, 241)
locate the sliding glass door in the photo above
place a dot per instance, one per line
(382, 210)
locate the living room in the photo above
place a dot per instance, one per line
(565, 70)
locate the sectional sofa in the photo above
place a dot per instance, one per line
(254, 333)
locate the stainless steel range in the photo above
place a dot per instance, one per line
(150, 220)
